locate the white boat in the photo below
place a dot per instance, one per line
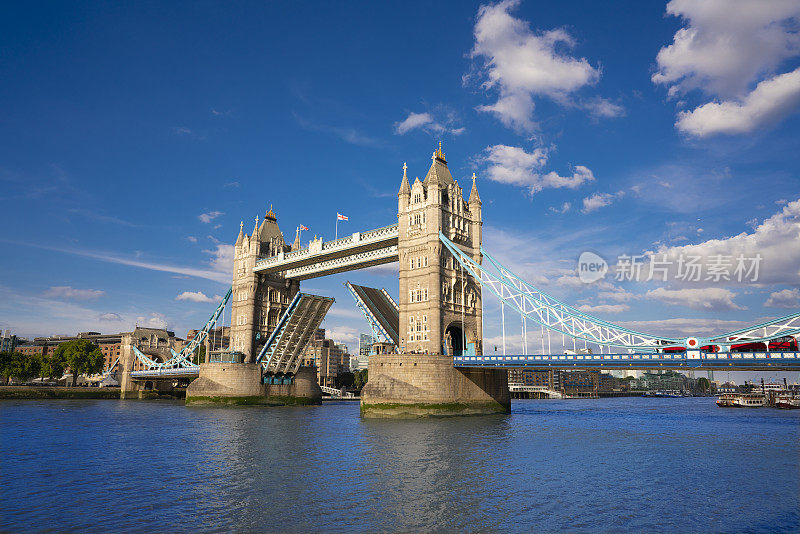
(741, 400)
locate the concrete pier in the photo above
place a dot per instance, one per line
(419, 385)
(240, 384)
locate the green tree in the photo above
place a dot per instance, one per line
(81, 356)
(50, 366)
(360, 379)
(345, 380)
(19, 366)
(703, 383)
(5, 366)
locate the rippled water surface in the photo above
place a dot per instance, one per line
(677, 465)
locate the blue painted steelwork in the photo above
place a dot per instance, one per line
(554, 315)
(784, 361)
(379, 332)
(176, 372)
(269, 346)
(182, 359)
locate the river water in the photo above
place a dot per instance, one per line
(671, 465)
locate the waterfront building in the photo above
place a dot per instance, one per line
(330, 358)
(8, 341)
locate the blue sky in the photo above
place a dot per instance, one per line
(135, 138)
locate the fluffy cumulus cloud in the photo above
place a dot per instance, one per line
(110, 317)
(209, 216)
(67, 292)
(600, 200)
(522, 64)
(769, 102)
(197, 296)
(776, 241)
(699, 298)
(785, 298)
(154, 320)
(221, 258)
(513, 165)
(723, 49)
(428, 123)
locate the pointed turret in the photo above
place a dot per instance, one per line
(438, 173)
(241, 234)
(405, 188)
(474, 197)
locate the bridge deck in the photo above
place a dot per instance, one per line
(156, 374)
(383, 310)
(356, 251)
(732, 361)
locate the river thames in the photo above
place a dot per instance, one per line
(671, 465)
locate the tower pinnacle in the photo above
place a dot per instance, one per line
(405, 188)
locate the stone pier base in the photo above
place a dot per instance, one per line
(418, 385)
(240, 384)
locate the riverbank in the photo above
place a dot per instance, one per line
(58, 392)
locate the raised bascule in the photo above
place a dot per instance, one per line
(432, 360)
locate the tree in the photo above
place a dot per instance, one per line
(50, 366)
(19, 366)
(345, 380)
(703, 383)
(5, 366)
(81, 356)
(360, 379)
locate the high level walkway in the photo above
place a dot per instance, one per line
(356, 251)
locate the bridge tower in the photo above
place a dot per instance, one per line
(440, 305)
(258, 300)
(440, 308)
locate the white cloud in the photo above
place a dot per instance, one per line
(67, 292)
(222, 258)
(771, 101)
(698, 298)
(154, 320)
(209, 216)
(563, 209)
(786, 298)
(600, 200)
(413, 121)
(604, 308)
(776, 240)
(603, 108)
(427, 122)
(197, 296)
(724, 47)
(513, 165)
(191, 239)
(110, 316)
(234, 185)
(686, 326)
(521, 64)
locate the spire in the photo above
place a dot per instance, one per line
(241, 233)
(438, 173)
(255, 229)
(405, 189)
(270, 215)
(474, 197)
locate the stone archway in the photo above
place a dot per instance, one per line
(454, 339)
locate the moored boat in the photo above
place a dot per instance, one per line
(741, 400)
(787, 402)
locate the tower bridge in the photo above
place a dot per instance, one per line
(436, 328)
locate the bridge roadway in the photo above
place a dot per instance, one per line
(356, 251)
(690, 360)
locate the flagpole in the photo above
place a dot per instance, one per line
(336, 235)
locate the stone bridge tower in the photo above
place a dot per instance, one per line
(258, 300)
(440, 303)
(440, 309)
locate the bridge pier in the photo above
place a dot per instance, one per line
(418, 385)
(240, 384)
